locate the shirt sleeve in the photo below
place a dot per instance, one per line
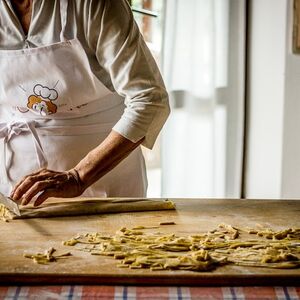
(123, 53)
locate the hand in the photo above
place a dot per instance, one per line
(49, 184)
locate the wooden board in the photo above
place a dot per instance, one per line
(192, 216)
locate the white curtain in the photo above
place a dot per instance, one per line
(195, 46)
(195, 63)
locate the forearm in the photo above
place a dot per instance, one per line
(46, 183)
(104, 158)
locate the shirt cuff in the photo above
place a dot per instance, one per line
(130, 129)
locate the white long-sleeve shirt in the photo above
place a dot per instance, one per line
(117, 54)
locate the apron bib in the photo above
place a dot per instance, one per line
(52, 81)
(43, 92)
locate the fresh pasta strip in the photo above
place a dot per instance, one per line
(46, 257)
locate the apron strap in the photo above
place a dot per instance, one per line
(63, 4)
(15, 128)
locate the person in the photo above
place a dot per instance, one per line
(79, 93)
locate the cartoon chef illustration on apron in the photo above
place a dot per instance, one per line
(42, 100)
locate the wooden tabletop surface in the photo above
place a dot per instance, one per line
(191, 216)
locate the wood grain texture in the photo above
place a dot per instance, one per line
(191, 216)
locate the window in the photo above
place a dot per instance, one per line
(203, 57)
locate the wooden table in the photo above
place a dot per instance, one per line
(192, 216)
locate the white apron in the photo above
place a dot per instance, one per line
(53, 111)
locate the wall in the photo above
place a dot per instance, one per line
(233, 99)
(291, 135)
(273, 144)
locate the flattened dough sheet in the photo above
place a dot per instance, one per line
(59, 207)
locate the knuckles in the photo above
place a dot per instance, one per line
(50, 183)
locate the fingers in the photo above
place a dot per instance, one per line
(47, 183)
(35, 183)
(53, 192)
(44, 196)
(36, 188)
(14, 193)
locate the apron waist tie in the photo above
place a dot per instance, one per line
(15, 128)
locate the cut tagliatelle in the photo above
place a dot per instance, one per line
(227, 244)
(4, 213)
(47, 256)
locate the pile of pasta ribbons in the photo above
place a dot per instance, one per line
(137, 249)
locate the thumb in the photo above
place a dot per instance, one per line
(44, 196)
